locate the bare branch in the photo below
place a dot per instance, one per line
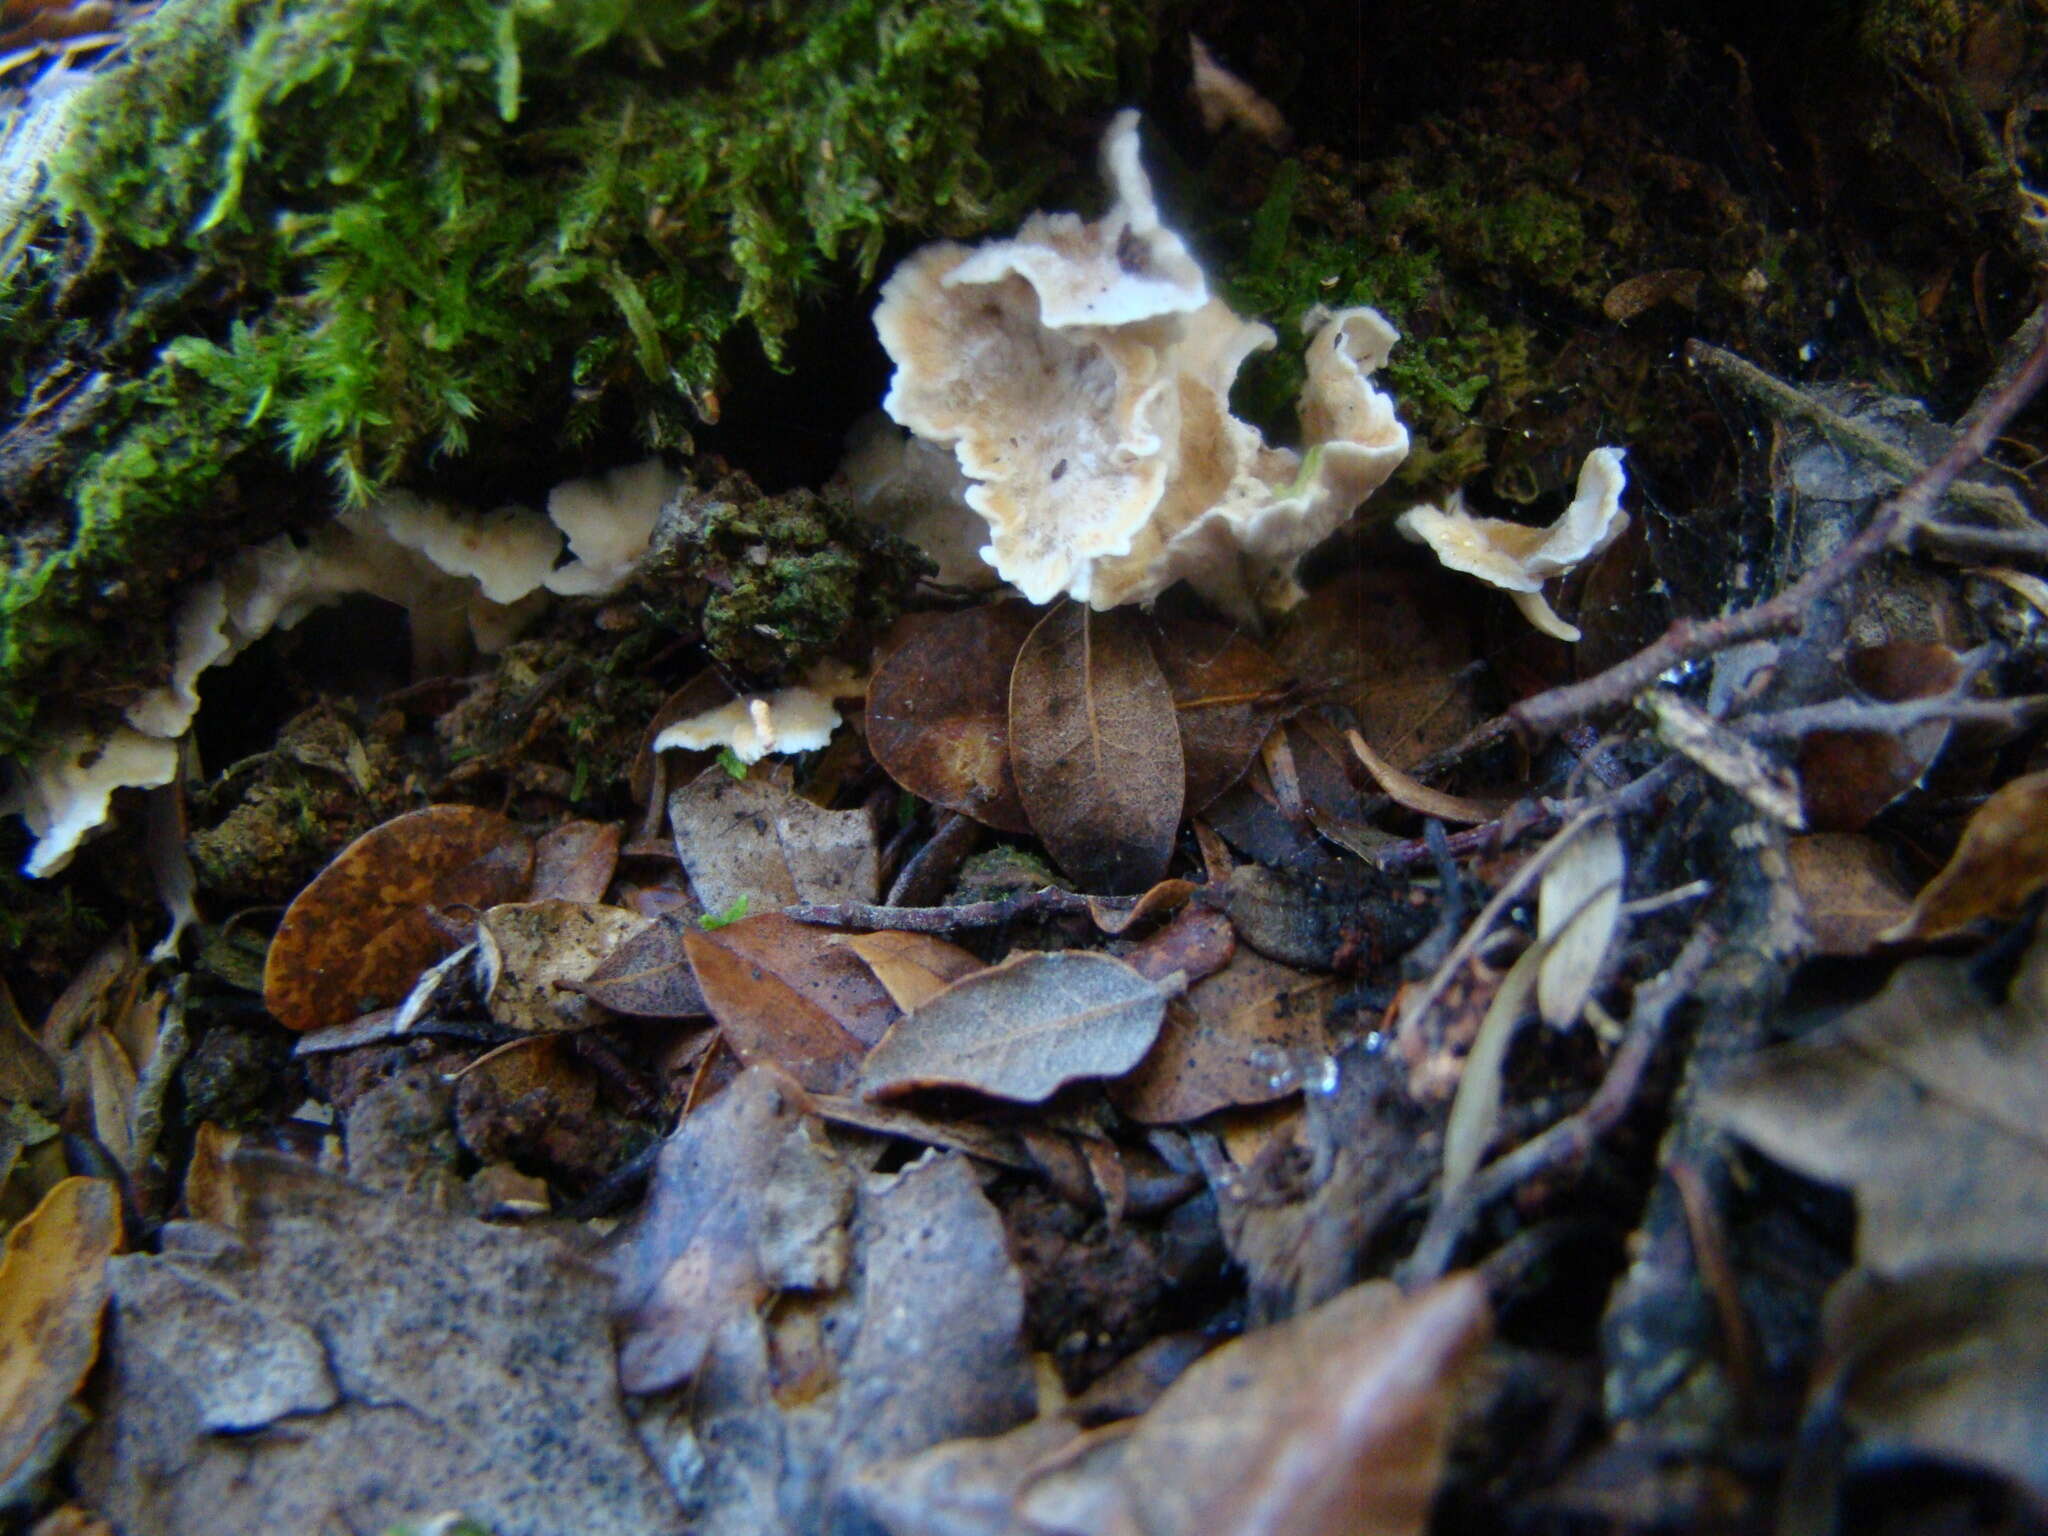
(1691, 639)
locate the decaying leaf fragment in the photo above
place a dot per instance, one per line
(53, 1286)
(1928, 1102)
(530, 953)
(2001, 861)
(1096, 748)
(938, 716)
(1237, 1037)
(747, 1199)
(1227, 695)
(746, 840)
(1021, 1029)
(359, 936)
(1333, 1423)
(648, 976)
(463, 1366)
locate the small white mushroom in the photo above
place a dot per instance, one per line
(64, 793)
(1520, 559)
(789, 720)
(609, 521)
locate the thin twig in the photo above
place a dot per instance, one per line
(1691, 639)
(1573, 1137)
(1527, 816)
(1953, 541)
(1859, 715)
(960, 919)
(1791, 402)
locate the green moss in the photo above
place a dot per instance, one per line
(1493, 237)
(773, 583)
(361, 235)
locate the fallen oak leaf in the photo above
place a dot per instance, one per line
(938, 713)
(357, 937)
(747, 1198)
(784, 993)
(1333, 1423)
(53, 1287)
(648, 976)
(529, 953)
(753, 841)
(912, 967)
(1927, 1101)
(1227, 695)
(1023, 1029)
(1234, 1039)
(1096, 749)
(2001, 861)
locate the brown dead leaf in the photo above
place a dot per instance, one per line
(750, 841)
(1950, 1361)
(912, 967)
(1198, 943)
(1847, 777)
(1227, 694)
(1928, 1102)
(575, 861)
(2000, 862)
(1333, 1423)
(1234, 1039)
(1021, 1029)
(748, 1198)
(1397, 646)
(530, 953)
(784, 993)
(1095, 745)
(1849, 890)
(53, 1286)
(938, 715)
(648, 976)
(357, 938)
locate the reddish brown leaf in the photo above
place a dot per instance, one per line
(1847, 777)
(1849, 890)
(575, 861)
(1021, 1029)
(360, 934)
(648, 976)
(1096, 747)
(1197, 943)
(1227, 694)
(1236, 1038)
(2001, 861)
(1396, 645)
(912, 967)
(784, 993)
(938, 715)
